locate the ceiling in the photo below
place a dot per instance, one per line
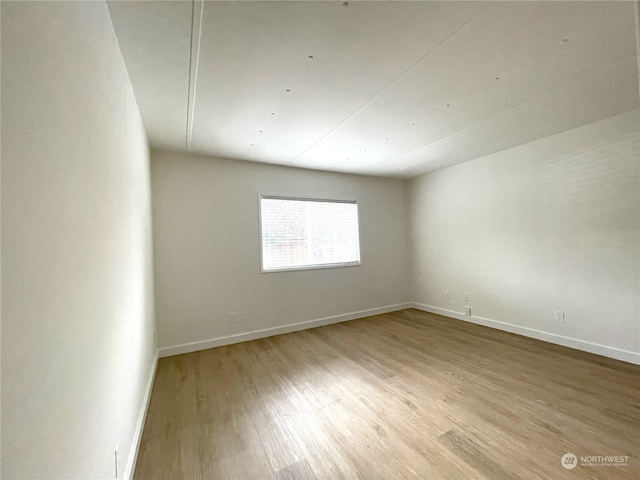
(380, 88)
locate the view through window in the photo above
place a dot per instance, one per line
(307, 233)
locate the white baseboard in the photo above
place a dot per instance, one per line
(606, 351)
(142, 416)
(269, 332)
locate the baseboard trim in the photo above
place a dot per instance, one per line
(142, 416)
(604, 350)
(269, 332)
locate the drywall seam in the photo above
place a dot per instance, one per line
(604, 350)
(386, 87)
(268, 332)
(194, 61)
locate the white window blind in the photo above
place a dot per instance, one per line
(304, 233)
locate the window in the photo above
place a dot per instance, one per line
(299, 233)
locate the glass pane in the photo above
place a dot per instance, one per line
(304, 233)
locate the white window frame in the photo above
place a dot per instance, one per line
(311, 267)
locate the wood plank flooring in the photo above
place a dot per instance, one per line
(396, 396)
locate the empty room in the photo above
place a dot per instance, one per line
(320, 240)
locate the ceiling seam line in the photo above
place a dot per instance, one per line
(404, 72)
(606, 69)
(186, 133)
(192, 104)
(636, 11)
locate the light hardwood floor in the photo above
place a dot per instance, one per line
(402, 395)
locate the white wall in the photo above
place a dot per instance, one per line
(207, 247)
(77, 291)
(550, 225)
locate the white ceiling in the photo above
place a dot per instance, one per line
(393, 88)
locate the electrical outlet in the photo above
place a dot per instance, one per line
(232, 317)
(116, 458)
(560, 316)
(243, 316)
(465, 297)
(447, 295)
(467, 311)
